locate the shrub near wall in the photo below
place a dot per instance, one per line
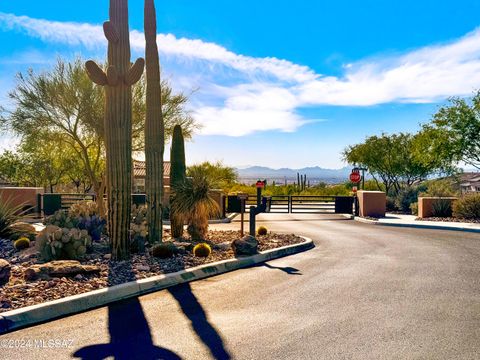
(467, 207)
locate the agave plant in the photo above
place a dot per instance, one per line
(191, 200)
(9, 215)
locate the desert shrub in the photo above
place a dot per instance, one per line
(202, 250)
(191, 201)
(440, 188)
(55, 243)
(262, 230)
(84, 209)
(442, 208)
(164, 250)
(405, 198)
(21, 243)
(414, 208)
(391, 206)
(467, 207)
(9, 215)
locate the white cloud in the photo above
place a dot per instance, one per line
(266, 93)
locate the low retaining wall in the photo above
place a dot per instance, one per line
(21, 196)
(426, 204)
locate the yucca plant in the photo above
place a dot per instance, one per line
(192, 201)
(9, 215)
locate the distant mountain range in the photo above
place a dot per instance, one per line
(314, 174)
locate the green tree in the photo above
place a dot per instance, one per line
(454, 132)
(64, 104)
(218, 175)
(395, 160)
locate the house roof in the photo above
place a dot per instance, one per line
(139, 169)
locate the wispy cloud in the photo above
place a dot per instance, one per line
(240, 94)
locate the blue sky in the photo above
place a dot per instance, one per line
(279, 83)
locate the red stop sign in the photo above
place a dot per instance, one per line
(355, 177)
(260, 184)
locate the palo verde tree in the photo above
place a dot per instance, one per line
(154, 128)
(117, 82)
(454, 132)
(395, 160)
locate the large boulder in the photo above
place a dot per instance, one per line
(247, 245)
(4, 271)
(59, 268)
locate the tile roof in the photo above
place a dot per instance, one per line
(139, 169)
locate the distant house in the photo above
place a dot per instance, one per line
(139, 173)
(470, 182)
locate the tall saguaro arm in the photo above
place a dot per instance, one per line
(154, 128)
(117, 81)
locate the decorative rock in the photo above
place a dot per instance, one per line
(222, 246)
(143, 268)
(4, 271)
(78, 277)
(247, 245)
(107, 256)
(185, 244)
(60, 268)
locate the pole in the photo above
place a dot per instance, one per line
(242, 216)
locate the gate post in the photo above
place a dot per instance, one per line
(289, 204)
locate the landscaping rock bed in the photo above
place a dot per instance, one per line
(450, 219)
(52, 285)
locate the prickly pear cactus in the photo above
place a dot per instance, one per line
(117, 81)
(154, 128)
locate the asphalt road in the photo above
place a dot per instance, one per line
(364, 292)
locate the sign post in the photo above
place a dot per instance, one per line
(242, 198)
(260, 185)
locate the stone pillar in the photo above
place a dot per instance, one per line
(372, 203)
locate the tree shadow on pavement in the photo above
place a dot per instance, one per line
(130, 335)
(194, 311)
(288, 269)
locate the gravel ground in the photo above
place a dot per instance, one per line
(450, 219)
(18, 292)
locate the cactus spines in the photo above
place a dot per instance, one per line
(154, 128)
(118, 123)
(177, 176)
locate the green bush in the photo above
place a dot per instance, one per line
(9, 215)
(164, 250)
(391, 206)
(467, 207)
(442, 208)
(202, 250)
(22, 243)
(262, 230)
(405, 198)
(414, 208)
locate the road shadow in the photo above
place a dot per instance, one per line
(287, 269)
(130, 334)
(194, 311)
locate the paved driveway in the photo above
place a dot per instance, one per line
(364, 292)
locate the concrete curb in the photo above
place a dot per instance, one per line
(417, 226)
(30, 315)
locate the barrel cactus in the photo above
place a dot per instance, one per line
(21, 243)
(202, 250)
(117, 81)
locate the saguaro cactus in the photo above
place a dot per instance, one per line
(154, 127)
(177, 176)
(118, 81)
